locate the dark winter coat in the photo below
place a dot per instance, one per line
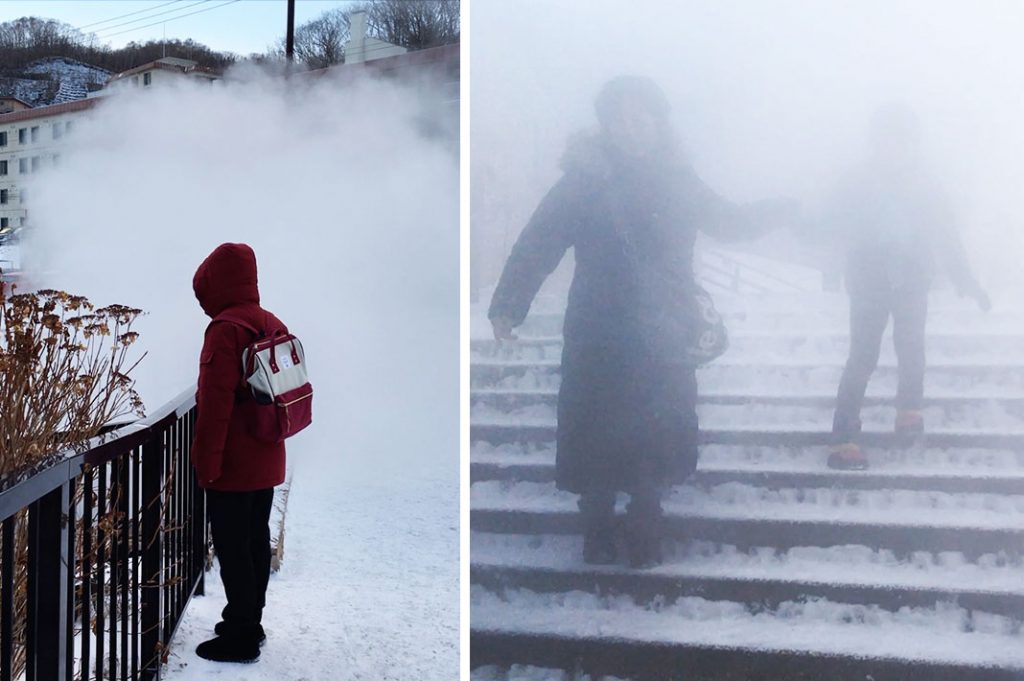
(625, 420)
(226, 457)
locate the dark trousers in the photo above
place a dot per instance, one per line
(240, 524)
(869, 315)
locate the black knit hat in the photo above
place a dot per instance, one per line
(639, 89)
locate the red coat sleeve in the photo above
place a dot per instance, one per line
(219, 377)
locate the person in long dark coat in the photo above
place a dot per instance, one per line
(895, 226)
(627, 419)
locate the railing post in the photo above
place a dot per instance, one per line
(48, 567)
(152, 556)
(199, 539)
(200, 526)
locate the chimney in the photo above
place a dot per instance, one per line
(356, 49)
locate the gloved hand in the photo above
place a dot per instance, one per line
(502, 327)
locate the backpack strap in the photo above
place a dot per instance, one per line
(257, 334)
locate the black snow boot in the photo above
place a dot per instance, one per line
(223, 628)
(643, 529)
(597, 511)
(242, 647)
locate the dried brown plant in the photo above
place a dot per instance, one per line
(64, 373)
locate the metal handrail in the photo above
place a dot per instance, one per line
(113, 540)
(750, 268)
(100, 449)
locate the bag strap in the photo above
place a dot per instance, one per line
(237, 321)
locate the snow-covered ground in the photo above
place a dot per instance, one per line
(368, 589)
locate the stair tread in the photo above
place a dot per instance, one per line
(915, 635)
(878, 470)
(850, 566)
(749, 503)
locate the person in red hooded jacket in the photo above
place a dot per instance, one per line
(238, 471)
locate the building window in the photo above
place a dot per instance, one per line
(22, 166)
(147, 78)
(3, 139)
(3, 196)
(67, 127)
(3, 167)
(22, 135)
(35, 133)
(35, 163)
(4, 222)
(58, 131)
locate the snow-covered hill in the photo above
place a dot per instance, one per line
(53, 80)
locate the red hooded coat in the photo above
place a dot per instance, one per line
(226, 457)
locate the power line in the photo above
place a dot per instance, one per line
(135, 21)
(181, 16)
(122, 16)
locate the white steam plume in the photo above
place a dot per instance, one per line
(353, 215)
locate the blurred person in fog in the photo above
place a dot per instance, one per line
(894, 224)
(628, 200)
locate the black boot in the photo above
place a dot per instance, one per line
(222, 628)
(643, 529)
(597, 511)
(234, 645)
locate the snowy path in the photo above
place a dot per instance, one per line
(368, 589)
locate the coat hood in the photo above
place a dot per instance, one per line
(226, 278)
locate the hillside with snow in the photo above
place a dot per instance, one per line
(54, 80)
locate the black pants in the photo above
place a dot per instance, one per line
(240, 522)
(869, 315)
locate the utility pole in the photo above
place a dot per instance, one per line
(289, 47)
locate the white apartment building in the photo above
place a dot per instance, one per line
(31, 139)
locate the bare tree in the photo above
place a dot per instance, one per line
(412, 24)
(25, 40)
(321, 42)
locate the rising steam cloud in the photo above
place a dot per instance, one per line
(352, 212)
(769, 98)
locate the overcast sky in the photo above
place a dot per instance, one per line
(241, 26)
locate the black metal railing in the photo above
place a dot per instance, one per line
(100, 553)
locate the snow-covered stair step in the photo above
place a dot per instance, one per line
(704, 639)
(823, 346)
(795, 412)
(541, 468)
(750, 515)
(792, 378)
(761, 577)
(924, 461)
(515, 399)
(543, 431)
(809, 320)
